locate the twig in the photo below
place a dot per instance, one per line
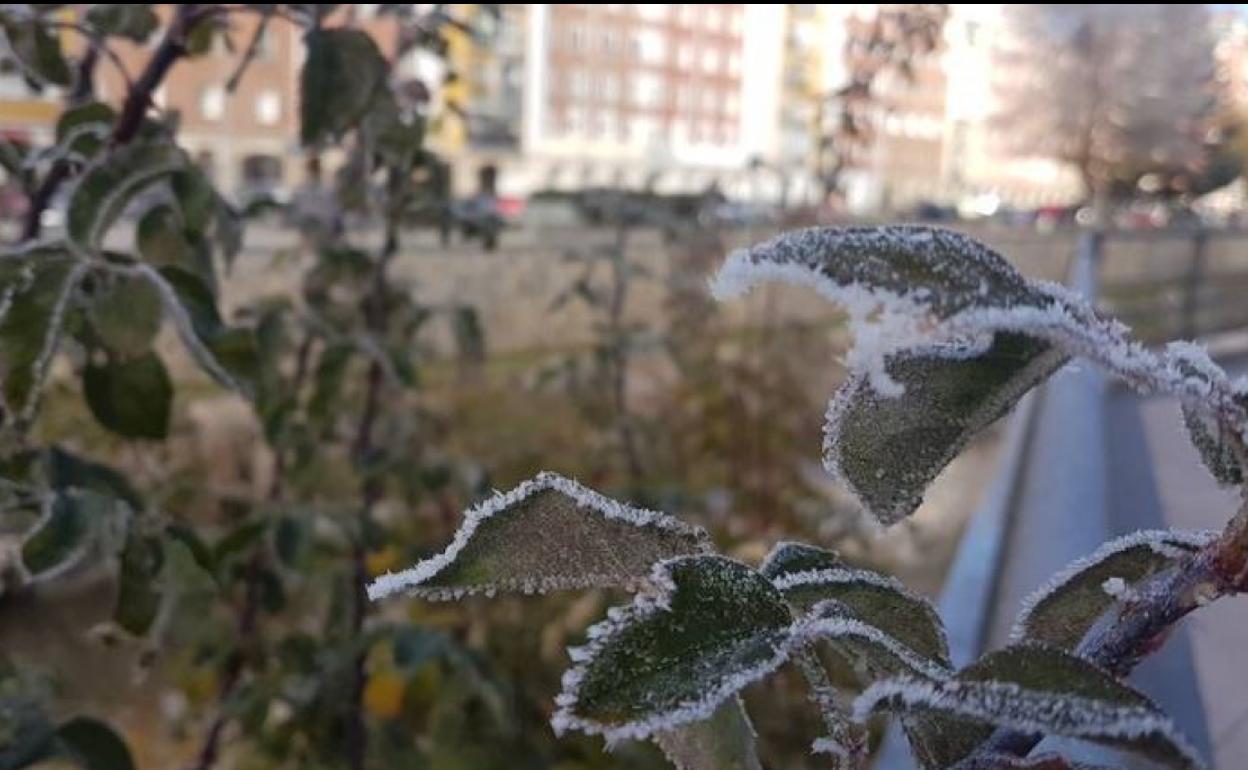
(375, 319)
(1134, 628)
(253, 50)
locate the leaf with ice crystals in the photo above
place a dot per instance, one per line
(40, 284)
(723, 741)
(872, 651)
(1035, 689)
(1062, 611)
(1216, 445)
(673, 656)
(877, 600)
(110, 184)
(788, 557)
(926, 268)
(547, 534)
(886, 447)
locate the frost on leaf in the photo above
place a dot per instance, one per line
(724, 741)
(1215, 444)
(1061, 612)
(877, 600)
(672, 657)
(1034, 689)
(871, 651)
(788, 557)
(887, 448)
(110, 184)
(37, 287)
(547, 534)
(927, 267)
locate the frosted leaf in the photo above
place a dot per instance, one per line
(111, 183)
(886, 449)
(927, 267)
(672, 657)
(723, 741)
(548, 534)
(1011, 762)
(31, 326)
(878, 600)
(1214, 444)
(919, 293)
(875, 652)
(789, 557)
(1035, 689)
(1063, 610)
(845, 740)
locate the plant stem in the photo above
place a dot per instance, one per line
(375, 319)
(171, 48)
(620, 354)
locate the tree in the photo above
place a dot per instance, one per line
(950, 336)
(1118, 92)
(329, 370)
(887, 45)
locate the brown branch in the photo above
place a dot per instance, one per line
(253, 50)
(138, 97)
(1134, 628)
(376, 321)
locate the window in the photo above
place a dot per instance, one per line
(647, 90)
(268, 108)
(684, 57)
(212, 103)
(653, 46)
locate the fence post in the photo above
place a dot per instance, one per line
(1191, 289)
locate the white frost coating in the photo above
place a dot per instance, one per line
(842, 576)
(499, 504)
(832, 747)
(1008, 705)
(186, 328)
(51, 339)
(885, 321)
(702, 707)
(1117, 588)
(814, 628)
(1168, 543)
(100, 224)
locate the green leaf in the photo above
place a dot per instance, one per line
(69, 524)
(1216, 445)
(162, 241)
(108, 186)
(788, 558)
(547, 534)
(888, 448)
(125, 311)
(1061, 612)
(31, 326)
(68, 471)
(877, 600)
(327, 381)
(723, 741)
(131, 397)
(94, 745)
(37, 49)
(225, 354)
(671, 659)
(1033, 689)
(83, 130)
(26, 733)
(133, 22)
(342, 75)
(138, 599)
